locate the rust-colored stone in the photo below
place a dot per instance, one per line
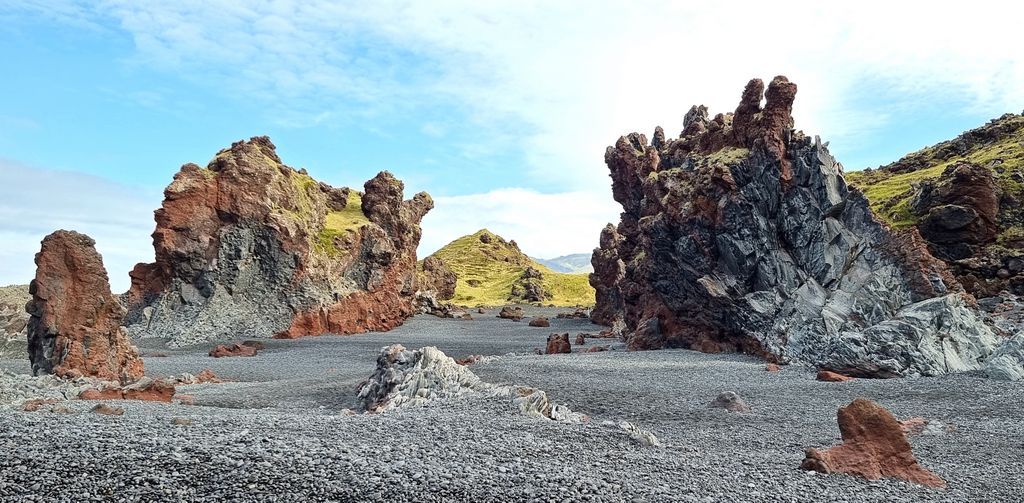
(772, 367)
(540, 321)
(874, 446)
(558, 343)
(223, 350)
(829, 376)
(75, 325)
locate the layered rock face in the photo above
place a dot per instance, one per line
(13, 317)
(75, 325)
(742, 235)
(249, 247)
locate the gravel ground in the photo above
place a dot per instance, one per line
(279, 432)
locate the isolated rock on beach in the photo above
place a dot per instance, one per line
(874, 446)
(225, 350)
(540, 321)
(730, 401)
(558, 343)
(251, 247)
(75, 326)
(511, 313)
(742, 235)
(409, 378)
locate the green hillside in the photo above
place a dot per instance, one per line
(998, 145)
(489, 268)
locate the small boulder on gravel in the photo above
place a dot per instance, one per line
(772, 367)
(558, 343)
(540, 321)
(874, 446)
(730, 401)
(511, 313)
(223, 350)
(580, 339)
(597, 349)
(107, 410)
(579, 313)
(829, 376)
(181, 421)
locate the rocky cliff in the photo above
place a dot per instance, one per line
(75, 325)
(249, 247)
(742, 235)
(13, 318)
(965, 197)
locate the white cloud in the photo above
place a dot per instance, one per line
(35, 202)
(544, 225)
(571, 76)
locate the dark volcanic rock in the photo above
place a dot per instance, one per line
(75, 326)
(437, 277)
(511, 313)
(540, 321)
(959, 209)
(251, 247)
(742, 235)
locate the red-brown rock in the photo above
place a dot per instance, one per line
(146, 389)
(75, 325)
(914, 425)
(874, 446)
(596, 349)
(540, 321)
(37, 403)
(206, 376)
(558, 343)
(772, 367)
(581, 339)
(829, 376)
(234, 238)
(223, 350)
(511, 313)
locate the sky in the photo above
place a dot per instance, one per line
(501, 109)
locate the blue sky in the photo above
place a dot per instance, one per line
(501, 110)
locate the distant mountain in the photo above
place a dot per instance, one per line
(494, 271)
(577, 263)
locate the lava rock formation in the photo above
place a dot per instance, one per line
(75, 325)
(249, 247)
(742, 235)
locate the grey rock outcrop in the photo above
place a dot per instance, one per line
(742, 235)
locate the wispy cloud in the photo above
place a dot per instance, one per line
(35, 202)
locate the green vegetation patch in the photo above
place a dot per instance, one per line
(337, 223)
(890, 193)
(487, 271)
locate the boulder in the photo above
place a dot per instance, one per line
(742, 235)
(248, 228)
(558, 343)
(411, 378)
(107, 410)
(829, 376)
(510, 313)
(1007, 363)
(580, 339)
(874, 446)
(75, 325)
(597, 349)
(540, 321)
(223, 350)
(729, 401)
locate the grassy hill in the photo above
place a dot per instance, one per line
(998, 145)
(488, 267)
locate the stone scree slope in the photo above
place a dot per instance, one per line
(742, 235)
